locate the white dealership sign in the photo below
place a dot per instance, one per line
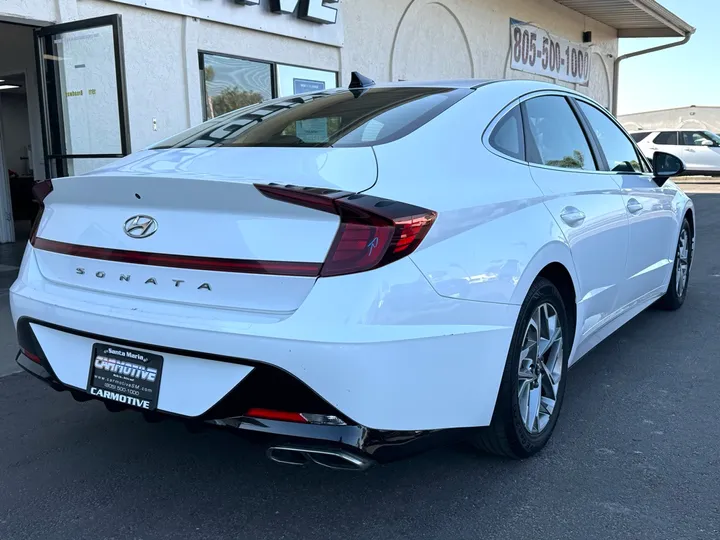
(311, 20)
(534, 50)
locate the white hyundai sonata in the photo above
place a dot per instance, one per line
(358, 272)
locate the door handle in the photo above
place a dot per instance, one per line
(689, 150)
(634, 206)
(572, 216)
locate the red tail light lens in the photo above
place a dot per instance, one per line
(34, 357)
(373, 231)
(40, 191)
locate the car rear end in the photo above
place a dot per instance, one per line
(242, 274)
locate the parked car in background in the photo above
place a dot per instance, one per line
(358, 272)
(699, 149)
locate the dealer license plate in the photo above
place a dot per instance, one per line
(126, 376)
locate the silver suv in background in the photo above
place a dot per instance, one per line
(699, 149)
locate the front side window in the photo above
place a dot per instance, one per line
(339, 118)
(507, 137)
(666, 137)
(555, 137)
(232, 83)
(619, 151)
(639, 136)
(699, 138)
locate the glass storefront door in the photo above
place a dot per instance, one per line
(82, 87)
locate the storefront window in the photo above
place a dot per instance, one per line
(231, 83)
(293, 80)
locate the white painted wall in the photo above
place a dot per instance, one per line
(431, 39)
(16, 127)
(29, 10)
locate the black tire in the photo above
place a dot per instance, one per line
(507, 435)
(674, 298)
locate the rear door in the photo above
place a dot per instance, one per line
(649, 208)
(700, 150)
(586, 204)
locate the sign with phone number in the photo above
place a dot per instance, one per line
(534, 50)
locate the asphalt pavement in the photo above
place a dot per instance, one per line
(634, 456)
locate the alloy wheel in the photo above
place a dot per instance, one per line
(682, 266)
(540, 368)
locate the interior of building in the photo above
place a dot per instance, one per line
(18, 97)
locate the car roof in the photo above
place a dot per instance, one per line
(452, 83)
(521, 86)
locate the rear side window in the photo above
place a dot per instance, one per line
(555, 137)
(666, 137)
(507, 137)
(639, 136)
(336, 118)
(618, 149)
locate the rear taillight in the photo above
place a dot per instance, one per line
(373, 231)
(40, 191)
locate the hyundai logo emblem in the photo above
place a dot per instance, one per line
(140, 226)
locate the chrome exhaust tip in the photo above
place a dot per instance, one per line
(331, 458)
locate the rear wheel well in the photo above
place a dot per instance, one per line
(560, 277)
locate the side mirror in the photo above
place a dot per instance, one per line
(707, 142)
(665, 166)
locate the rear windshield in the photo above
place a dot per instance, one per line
(339, 118)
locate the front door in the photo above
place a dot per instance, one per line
(82, 94)
(649, 208)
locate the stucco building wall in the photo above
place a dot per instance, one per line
(683, 117)
(430, 39)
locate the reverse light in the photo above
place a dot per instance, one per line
(373, 231)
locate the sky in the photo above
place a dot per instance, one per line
(678, 77)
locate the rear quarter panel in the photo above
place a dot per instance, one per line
(493, 234)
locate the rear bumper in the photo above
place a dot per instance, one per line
(377, 445)
(383, 349)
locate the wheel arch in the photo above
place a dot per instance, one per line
(555, 263)
(690, 215)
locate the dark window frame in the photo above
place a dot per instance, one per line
(273, 73)
(516, 110)
(52, 136)
(531, 145)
